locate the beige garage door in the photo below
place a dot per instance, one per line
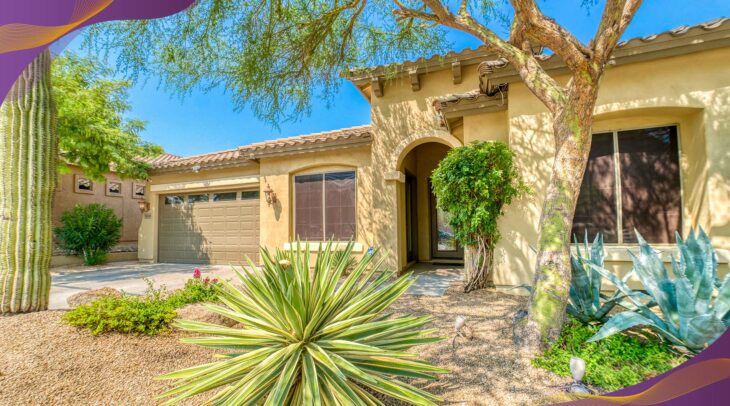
(217, 227)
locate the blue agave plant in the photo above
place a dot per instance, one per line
(691, 314)
(587, 303)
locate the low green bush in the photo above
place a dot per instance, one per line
(612, 363)
(150, 314)
(126, 314)
(89, 231)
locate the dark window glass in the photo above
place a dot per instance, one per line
(201, 198)
(650, 187)
(339, 195)
(174, 199)
(224, 197)
(308, 206)
(324, 206)
(596, 208)
(250, 194)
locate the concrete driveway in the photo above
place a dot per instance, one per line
(431, 280)
(126, 276)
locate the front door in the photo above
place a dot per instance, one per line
(443, 241)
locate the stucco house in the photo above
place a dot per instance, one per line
(660, 162)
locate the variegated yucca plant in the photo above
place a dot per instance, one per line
(586, 301)
(309, 336)
(693, 305)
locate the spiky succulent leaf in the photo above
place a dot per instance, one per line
(690, 317)
(310, 336)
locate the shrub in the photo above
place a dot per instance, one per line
(196, 290)
(310, 337)
(691, 314)
(126, 314)
(613, 363)
(150, 314)
(89, 231)
(473, 184)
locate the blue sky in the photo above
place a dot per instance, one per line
(206, 121)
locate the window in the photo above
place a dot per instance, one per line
(174, 199)
(250, 194)
(324, 206)
(631, 182)
(201, 198)
(224, 197)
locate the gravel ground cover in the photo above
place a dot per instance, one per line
(45, 362)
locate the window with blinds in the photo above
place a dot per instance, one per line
(324, 206)
(632, 181)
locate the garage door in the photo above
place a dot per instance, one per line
(217, 227)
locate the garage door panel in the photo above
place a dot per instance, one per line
(209, 232)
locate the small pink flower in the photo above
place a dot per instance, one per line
(206, 280)
(196, 273)
(215, 280)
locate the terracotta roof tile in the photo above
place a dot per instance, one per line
(250, 152)
(481, 53)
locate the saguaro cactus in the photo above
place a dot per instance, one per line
(28, 158)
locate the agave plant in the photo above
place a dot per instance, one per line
(691, 314)
(309, 337)
(586, 301)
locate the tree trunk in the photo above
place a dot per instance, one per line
(478, 263)
(28, 160)
(571, 126)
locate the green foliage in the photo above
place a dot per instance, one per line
(587, 303)
(691, 314)
(473, 184)
(269, 55)
(92, 128)
(616, 362)
(90, 231)
(150, 314)
(310, 337)
(126, 314)
(196, 290)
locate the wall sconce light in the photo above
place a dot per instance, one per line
(144, 206)
(270, 195)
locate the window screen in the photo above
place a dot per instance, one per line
(596, 208)
(649, 184)
(650, 187)
(324, 206)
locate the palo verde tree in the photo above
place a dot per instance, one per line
(473, 184)
(93, 131)
(271, 54)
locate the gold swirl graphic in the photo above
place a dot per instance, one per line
(16, 37)
(678, 384)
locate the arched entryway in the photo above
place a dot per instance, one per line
(424, 233)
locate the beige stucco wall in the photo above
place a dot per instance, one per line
(277, 220)
(125, 207)
(692, 91)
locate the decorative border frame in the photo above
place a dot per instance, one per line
(77, 189)
(108, 192)
(136, 185)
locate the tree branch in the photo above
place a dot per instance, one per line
(537, 80)
(617, 14)
(531, 23)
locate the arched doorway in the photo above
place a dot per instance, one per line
(424, 230)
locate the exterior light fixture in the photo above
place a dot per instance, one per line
(196, 168)
(144, 206)
(270, 195)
